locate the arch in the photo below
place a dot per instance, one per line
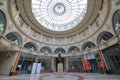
(2, 21)
(116, 21)
(59, 50)
(14, 37)
(73, 48)
(88, 45)
(46, 48)
(103, 37)
(31, 45)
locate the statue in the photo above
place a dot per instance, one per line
(59, 57)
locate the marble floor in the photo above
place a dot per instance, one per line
(67, 76)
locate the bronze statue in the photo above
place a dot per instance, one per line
(59, 58)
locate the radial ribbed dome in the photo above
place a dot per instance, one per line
(59, 15)
(59, 18)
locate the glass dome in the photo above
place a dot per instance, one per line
(59, 15)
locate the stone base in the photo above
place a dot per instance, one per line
(15, 73)
(60, 70)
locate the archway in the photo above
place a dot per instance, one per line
(61, 51)
(104, 37)
(88, 45)
(14, 37)
(2, 22)
(31, 45)
(73, 49)
(116, 21)
(46, 49)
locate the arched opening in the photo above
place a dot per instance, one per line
(88, 45)
(73, 49)
(91, 59)
(31, 45)
(59, 50)
(75, 62)
(2, 22)
(25, 63)
(14, 37)
(103, 37)
(45, 50)
(116, 21)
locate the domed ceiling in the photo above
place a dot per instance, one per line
(59, 15)
(59, 18)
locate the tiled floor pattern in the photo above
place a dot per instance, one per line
(67, 76)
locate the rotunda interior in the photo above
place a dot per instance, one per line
(86, 33)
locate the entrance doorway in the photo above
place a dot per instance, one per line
(57, 61)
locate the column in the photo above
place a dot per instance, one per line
(36, 60)
(82, 56)
(16, 62)
(66, 63)
(103, 59)
(52, 64)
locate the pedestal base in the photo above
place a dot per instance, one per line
(60, 70)
(15, 73)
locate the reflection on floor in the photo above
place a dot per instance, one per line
(67, 76)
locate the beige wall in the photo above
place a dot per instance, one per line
(6, 63)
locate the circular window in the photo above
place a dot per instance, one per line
(59, 15)
(2, 21)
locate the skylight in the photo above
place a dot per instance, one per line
(59, 15)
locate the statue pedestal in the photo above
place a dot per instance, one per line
(60, 70)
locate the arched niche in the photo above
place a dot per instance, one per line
(2, 21)
(46, 49)
(88, 45)
(73, 49)
(104, 37)
(31, 45)
(59, 50)
(116, 21)
(14, 37)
